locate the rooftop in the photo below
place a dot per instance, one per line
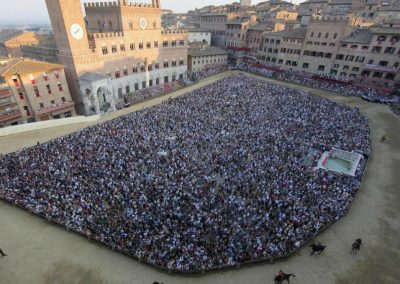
(206, 52)
(296, 33)
(359, 36)
(25, 66)
(261, 27)
(6, 35)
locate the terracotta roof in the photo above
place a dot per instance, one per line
(206, 52)
(29, 66)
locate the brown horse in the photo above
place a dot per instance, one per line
(283, 277)
(356, 246)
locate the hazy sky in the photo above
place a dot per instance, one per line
(28, 11)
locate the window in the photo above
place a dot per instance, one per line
(319, 35)
(104, 49)
(157, 81)
(150, 67)
(134, 69)
(174, 63)
(156, 44)
(48, 89)
(321, 67)
(339, 56)
(136, 87)
(148, 45)
(376, 49)
(150, 83)
(132, 46)
(142, 68)
(125, 71)
(181, 42)
(144, 85)
(280, 61)
(63, 99)
(390, 50)
(57, 75)
(305, 66)
(33, 81)
(360, 59)
(127, 89)
(306, 52)
(383, 63)
(157, 66)
(355, 69)
(312, 34)
(181, 62)
(365, 73)
(173, 43)
(335, 36)
(122, 47)
(371, 61)
(41, 105)
(328, 55)
(377, 75)
(173, 78)
(114, 49)
(21, 95)
(165, 43)
(36, 90)
(349, 58)
(166, 79)
(60, 88)
(381, 38)
(166, 64)
(140, 45)
(390, 76)
(52, 102)
(16, 82)
(354, 46)
(326, 35)
(346, 67)
(45, 77)
(117, 74)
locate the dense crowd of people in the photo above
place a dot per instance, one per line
(332, 83)
(158, 90)
(207, 72)
(218, 177)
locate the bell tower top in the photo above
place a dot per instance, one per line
(69, 27)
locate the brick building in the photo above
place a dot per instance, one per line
(34, 91)
(331, 45)
(118, 48)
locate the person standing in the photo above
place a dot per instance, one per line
(2, 253)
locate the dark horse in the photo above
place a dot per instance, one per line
(283, 277)
(317, 248)
(356, 246)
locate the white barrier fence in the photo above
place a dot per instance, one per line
(28, 127)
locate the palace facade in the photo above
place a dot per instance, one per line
(117, 49)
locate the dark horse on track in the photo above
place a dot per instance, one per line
(283, 277)
(356, 246)
(317, 248)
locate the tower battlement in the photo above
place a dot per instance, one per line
(107, 35)
(122, 3)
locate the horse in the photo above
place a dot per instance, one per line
(317, 248)
(356, 246)
(283, 277)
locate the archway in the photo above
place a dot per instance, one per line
(104, 98)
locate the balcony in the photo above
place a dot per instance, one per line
(374, 67)
(10, 114)
(55, 108)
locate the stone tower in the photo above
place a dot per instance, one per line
(71, 38)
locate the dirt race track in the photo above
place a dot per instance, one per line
(42, 253)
